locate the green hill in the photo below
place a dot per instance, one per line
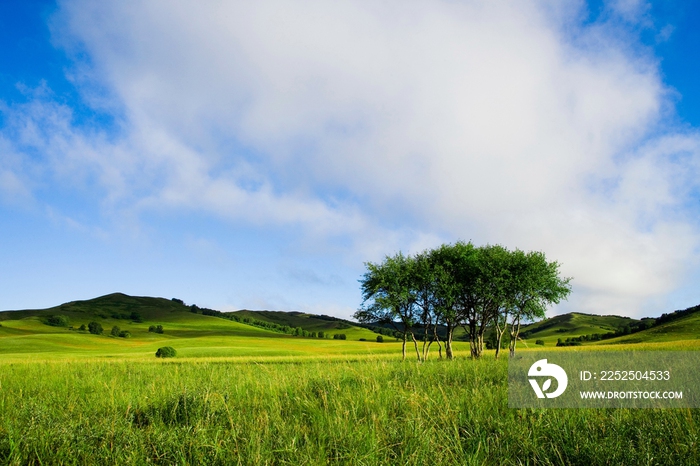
(574, 325)
(310, 322)
(680, 325)
(191, 330)
(684, 328)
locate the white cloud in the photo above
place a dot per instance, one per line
(633, 11)
(398, 124)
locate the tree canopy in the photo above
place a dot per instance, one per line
(460, 285)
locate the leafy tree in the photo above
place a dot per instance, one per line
(166, 352)
(489, 298)
(423, 278)
(115, 331)
(321, 334)
(82, 328)
(58, 321)
(389, 297)
(455, 285)
(536, 284)
(455, 282)
(125, 334)
(380, 339)
(95, 328)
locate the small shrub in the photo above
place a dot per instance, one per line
(58, 321)
(136, 317)
(125, 334)
(539, 342)
(166, 352)
(380, 339)
(82, 328)
(95, 328)
(321, 335)
(339, 336)
(363, 339)
(156, 328)
(115, 331)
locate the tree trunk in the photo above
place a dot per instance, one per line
(473, 340)
(427, 350)
(515, 331)
(415, 344)
(448, 342)
(499, 337)
(436, 335)
(403, 347)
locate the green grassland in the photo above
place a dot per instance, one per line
(365, 412)
(241, 394)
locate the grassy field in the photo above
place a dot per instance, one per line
(240, 394)
(376, 411)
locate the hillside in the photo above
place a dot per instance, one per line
(574, 325)
(193, 331)
(685, 328)
(310, 322)
(606, 330)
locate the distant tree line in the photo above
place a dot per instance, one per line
(670, 317)
(275, 327)
(480, 289)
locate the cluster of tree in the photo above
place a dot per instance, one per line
(117, 332)
(622, 331)
(133, 316)
(480, 289)
(93, 327)
(340, 336)
(390, 332)
(275, 327)
(380, 339)
(571, 341)
(675, 315)
(155, 328)
(58, 321)
(166, 352)
(289, 330)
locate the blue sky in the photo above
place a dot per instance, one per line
(255, 155)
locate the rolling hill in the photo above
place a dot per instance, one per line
(204, 332)
(574, 325)
(188, 328)
(592, 329)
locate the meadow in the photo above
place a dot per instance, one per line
(357, 411)
(240, 394)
